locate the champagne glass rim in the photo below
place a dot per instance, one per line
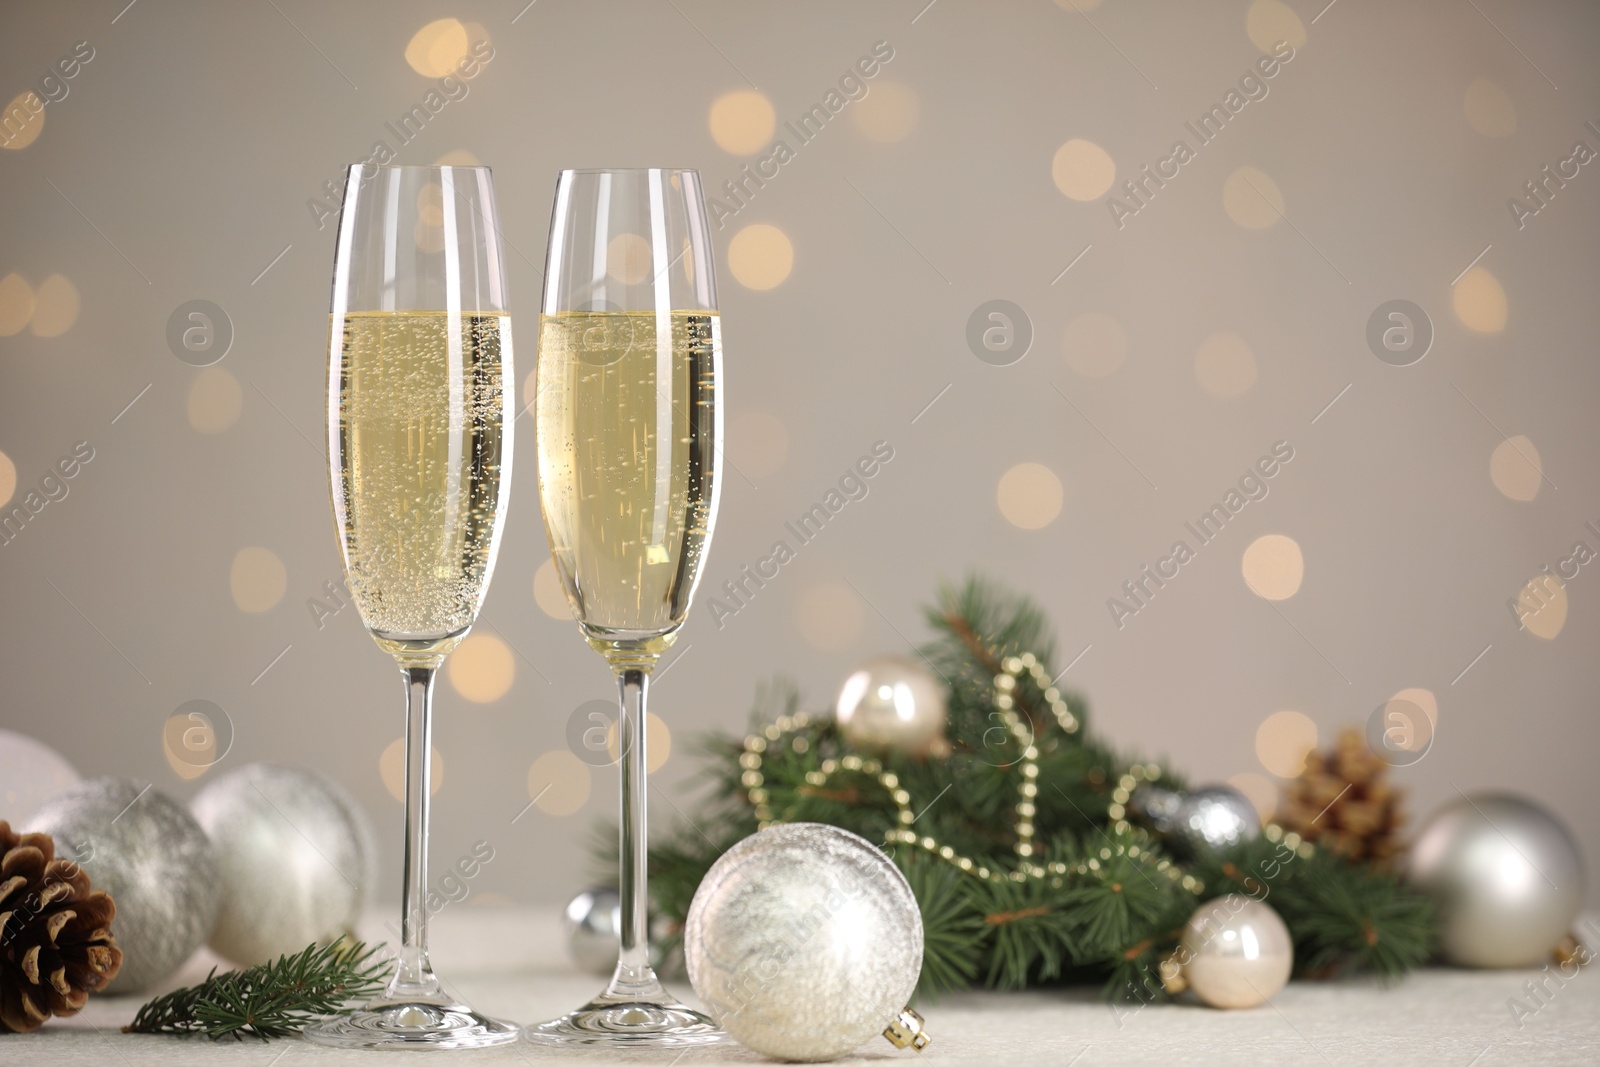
(420, 166)
(630, 170)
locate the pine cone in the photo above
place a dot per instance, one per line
(56, 945)
(1343, 803)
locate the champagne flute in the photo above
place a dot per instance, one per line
(630, 436)
(419, 454)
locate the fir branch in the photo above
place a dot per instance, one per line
(271, 999)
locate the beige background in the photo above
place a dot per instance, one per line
(1377, 167)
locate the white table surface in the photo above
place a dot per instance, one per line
(512, 964)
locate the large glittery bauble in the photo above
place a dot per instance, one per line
(1505, 875)
(31, 772)
(1235, 952)
(296, 853)
(593, 920)
(1210, 819)
(146, 850)
(803, 941)
(892, 703)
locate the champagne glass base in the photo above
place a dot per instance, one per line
(609, 1021)
(412, 1025)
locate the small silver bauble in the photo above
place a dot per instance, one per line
(593, 920)
(1210, 819)
(31, 772)
(1505, 875)
(146, 850)
(1235, 953)
(296, 854)
(892, 703)
(804, 941)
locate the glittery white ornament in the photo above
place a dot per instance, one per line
(31, 772)
(1505, 875)
(1235, 953)
(296, 854)
(146, 850)
(804, 941)
(892, 703)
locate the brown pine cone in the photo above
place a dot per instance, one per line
(1344, 803)
(56, 945)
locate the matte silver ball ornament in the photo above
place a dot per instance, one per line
(1196, 823)
(296, 854)
(1235, 953)
(147, 851)
(804, 941)
(892, 703)
(1505, 875)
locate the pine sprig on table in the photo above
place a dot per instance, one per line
(1104, 901)
(270, 999)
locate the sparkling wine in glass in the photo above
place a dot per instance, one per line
(629, 417)
(419, 453)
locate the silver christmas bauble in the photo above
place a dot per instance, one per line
(31, 772)
(1235, 952)
(892, 703)
(1210, 819)
(593, 920)
(1505, 875)
(804, 941)
(146, 850)
(296, 854)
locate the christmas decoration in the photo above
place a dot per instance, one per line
(1017, 843)
(295, 852)
(592, 921)
(804, 941)
(892, 703)
(1235, 953)
(56, 945)
(31, 772)
(1343, 802)
(1505, 875)
(1199, 822)
(147, 851)
(271, 999)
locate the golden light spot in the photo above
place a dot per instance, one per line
(430, 204)
(459, 157)
(189, 741)
(8, 479)
(1273, 567)
(628, 258)
(1261, 791)
(16, 304)
(481, 668)
(23, 120)
(1404, 729)
(392, 766)
(1252, 199)
(435, 49)
(1029, 496)
(830, 616)
(1422, 698)
(1515, 469)
(548, 594)
(55, 307)
(1479, 301)
(258, 579)
(888, 112)
(430, 239)
(760, 256)
(1283, 741)
(657, 742)
(559, 782)
(758, 442)
(742, 122)
(1224, 364)
(1271, 21)
(1489, 110)
(215, 400)
(1094, 344)
(1542, 606)
(1082, 169)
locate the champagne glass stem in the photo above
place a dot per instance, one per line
(414, 976)
(633, 964)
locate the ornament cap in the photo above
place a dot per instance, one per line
(906, 1031)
